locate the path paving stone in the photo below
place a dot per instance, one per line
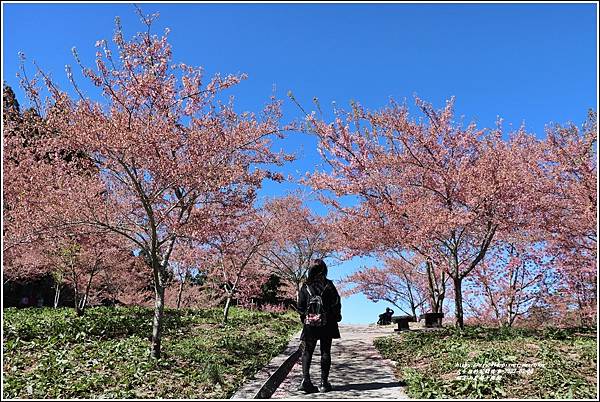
(357, 369)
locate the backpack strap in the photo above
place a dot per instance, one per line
(322, 291)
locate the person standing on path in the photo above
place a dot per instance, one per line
(320, 310)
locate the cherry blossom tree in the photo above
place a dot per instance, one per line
(570, 220)
(130, 285)
(297, 237)
(189, 266)
(432, 184)
(237, 268)
(509, 282)
(94, 254)
(398, 282)
(166, 148)
(31, 247)
(28, 160)
(354, 234)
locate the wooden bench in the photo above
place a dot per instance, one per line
(432, 320)
(402, 321)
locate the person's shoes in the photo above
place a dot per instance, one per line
(325, 386)
(307, 387)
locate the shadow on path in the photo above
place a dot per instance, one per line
(367, 386)
(357, 369)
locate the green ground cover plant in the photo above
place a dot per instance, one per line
(563, 361)
(51, 353)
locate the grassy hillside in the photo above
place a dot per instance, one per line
(105, 354)
(563, 363)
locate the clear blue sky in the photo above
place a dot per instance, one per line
(532, 63)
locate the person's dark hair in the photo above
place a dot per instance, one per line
(318, 267)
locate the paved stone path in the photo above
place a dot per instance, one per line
(357, 369)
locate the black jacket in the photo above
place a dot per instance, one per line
(331, 304)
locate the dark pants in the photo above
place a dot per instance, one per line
(309, 348)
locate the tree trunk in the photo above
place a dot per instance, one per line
(80, 307)
(441, 293)
(84, 301)
(226, 311)
(179, 293)
(439, 303)
(458, 302)
(436, 288)
(76, 295)
(57, 289)
(79, 311)
(77, 303)
(298, 288)
(159, 308)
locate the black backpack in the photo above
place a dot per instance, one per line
(315, 311)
